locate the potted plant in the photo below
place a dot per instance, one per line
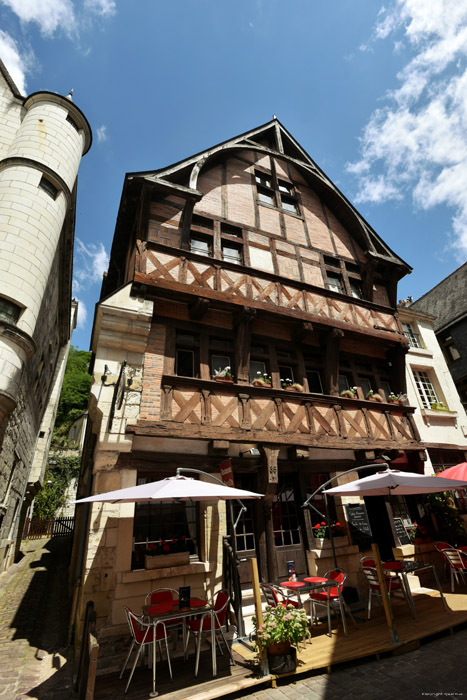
(263, 380)
(372, 396)
(393, 398)
(289, 385)
(224, 375)
(438, 406)
(167, 553)
(282, 627)
(419, 534)
(321, 530)
(350, 393)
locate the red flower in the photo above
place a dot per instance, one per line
(174, 541)
(163, 542)
(338, 525)
(323, 523)
(166, 548)
(151, 546)
(317, 526)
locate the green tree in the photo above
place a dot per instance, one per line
(51, 497)
(75, 389)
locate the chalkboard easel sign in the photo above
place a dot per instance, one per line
(401, 532)
(359, 525)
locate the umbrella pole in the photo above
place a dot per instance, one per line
(328, 520)
(384, 595)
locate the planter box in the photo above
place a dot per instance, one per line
(165, 561)
(325, 542)
(225, 380)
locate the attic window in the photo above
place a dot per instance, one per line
(48, 187)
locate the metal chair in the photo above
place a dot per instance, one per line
(393, 586)
(440, 547)
(165, 595)
(142, 634)
(276, 596)
(333, 595)
(203, 625)
(457, 565)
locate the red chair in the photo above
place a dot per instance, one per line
(332, 595)
(202, 625)
(142, 634)
(393, 585)
(440, 547)
(457, 565)
(165, 595)
(277, 596)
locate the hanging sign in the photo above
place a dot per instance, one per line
(226, 473)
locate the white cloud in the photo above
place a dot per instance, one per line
(101, 133)
(417, 143)
(14, 62)
(48, 14)
(91, 261)
(101, 7)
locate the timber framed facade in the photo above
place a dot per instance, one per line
(239, 264)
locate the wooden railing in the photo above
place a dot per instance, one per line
(240, 285)
(208, 410)
(35, 528)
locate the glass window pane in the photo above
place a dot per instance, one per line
(355, 289)
(314, 381)
(231, 254)
(265, 196)
(255, 367)
(335, 283)
(219, 363)
(184, 365)
(343, 382)
(365, 385)
(286, 373)
(200, 246)
(289, 204)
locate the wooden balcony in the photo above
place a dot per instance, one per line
(189, 275)
(197, 409)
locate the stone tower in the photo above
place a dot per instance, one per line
(42, 140)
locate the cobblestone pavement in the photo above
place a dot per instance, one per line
(34, 663)
(34, 615)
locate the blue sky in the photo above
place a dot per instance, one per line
(377, 95)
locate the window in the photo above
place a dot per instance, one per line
(202, 245)
(244, 533)
(229, 230)
(202, 222)
(450, 350)
(219, 363)
(257, 367)
(187, 354)
(154, 522)
(411, 335)
(232, 253)
(314, 381)
(9, 312)
(48, 187)
(281, 194)
(286, 374)
(335, 283)
(425, 388)
(355, 289)
(285, 517)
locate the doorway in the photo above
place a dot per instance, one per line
(380, 526)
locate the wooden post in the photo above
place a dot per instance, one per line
(258, 611)
(384, 595)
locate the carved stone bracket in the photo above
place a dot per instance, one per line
(205, 407)
(245, 411)
(271, 454)
(166, 402)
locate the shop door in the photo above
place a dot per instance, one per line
(288, 533)
(380, 525)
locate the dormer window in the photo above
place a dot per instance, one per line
(9, 311)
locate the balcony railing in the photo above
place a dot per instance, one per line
(195, 408)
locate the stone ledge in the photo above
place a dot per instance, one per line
(200, 567)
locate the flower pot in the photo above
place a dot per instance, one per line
(225, 380)
(279, 648)
(293, 388)
(283, 663)
(259, 382)
(164, 561)
(394, 401)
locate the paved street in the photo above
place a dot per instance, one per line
(34, 614)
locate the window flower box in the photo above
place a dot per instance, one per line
(165, 561)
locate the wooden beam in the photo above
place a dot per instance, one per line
(198, 309)
(332, 341)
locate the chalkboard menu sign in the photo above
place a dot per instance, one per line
(401, 532)
(359, 525)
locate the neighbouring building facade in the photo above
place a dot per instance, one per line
(244, 296)
(448, 303)
(42, 139)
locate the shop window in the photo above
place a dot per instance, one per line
(157, 522)
(285, 517)
(202, 245)
(48, 187)
(244, 533)
(232, 253)
(187, 354)
(412, 336)
(9, 311)
(425, 388)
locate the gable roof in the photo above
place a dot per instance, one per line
(10, 82)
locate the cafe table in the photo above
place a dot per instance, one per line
(168, 612)
(309, 584)
(403, 568)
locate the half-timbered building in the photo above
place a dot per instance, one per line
(245, 298)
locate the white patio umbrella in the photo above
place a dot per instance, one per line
(394, 482)
(173, 488)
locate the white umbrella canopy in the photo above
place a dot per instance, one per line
(174, 488)
(394, 482)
